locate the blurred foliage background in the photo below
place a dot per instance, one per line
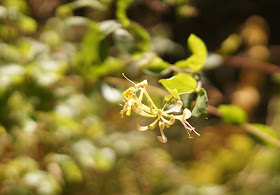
(61, 85)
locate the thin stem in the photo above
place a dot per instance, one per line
(248, 127)
(238, 61)
(251, 129)
(149, 98)
(176, 69)
(167, 102)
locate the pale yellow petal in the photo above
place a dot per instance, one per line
(141, 128)
(176, 108)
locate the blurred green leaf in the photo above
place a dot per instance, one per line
(187, 99)
(141, 35)
(230, 45)
(91, 45)
(233, 115)
(71, 172)
(42, 183)
(267, 130)
(122, 5)
(27, 25)
(20, 5)
(199, 53)
(182, 83)
(156, 66)
(201, 104)
(67, 9)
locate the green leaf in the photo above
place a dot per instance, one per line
(71, 172)
(90, 53)
(122, 5)
(141, 35)
(265, 130)
(201, 104)
(187, 99)
(182, 83)
(174, 93)
(27, 25)
(156, 66)
(233, 115)
(199, 53)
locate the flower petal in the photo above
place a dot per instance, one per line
(162, 138)
(141, 128)
(171, 120)
(154, 124)
(176, 108)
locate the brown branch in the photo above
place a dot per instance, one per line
(248, 127)
(238, 61)
(253, 130)
(176, 69)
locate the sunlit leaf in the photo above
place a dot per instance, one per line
(201, 104)
(233, 115)
(183, 83)
(169, 99)
(198, 57)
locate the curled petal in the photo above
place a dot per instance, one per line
(171, 120)
(139, 111)
(154, 124)
(140, 104)
(186, 115)
(176, 108)
(141, 128)
(162, 138)
(143, 84)
(127, 94)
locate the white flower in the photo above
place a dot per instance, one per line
(163, 118)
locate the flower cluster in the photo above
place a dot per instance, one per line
(163, 118)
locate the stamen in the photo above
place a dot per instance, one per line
(189, 135)
(190, 128)
(128, 79)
